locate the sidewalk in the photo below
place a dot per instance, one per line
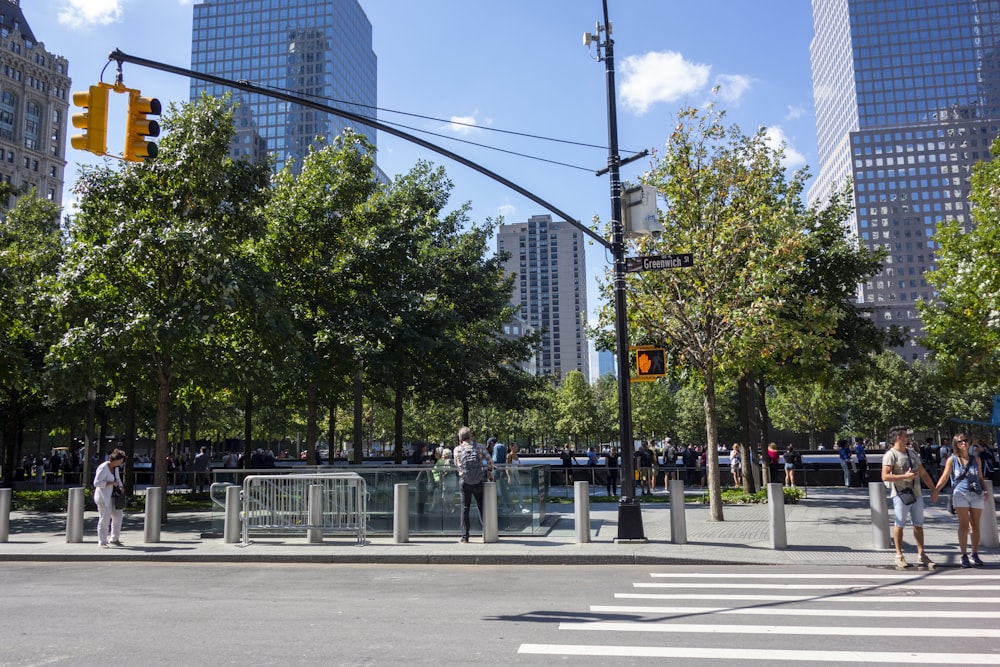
(831, 526)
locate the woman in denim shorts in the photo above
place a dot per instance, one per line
(965, 475)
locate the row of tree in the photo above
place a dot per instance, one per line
(201, 287)
(198, 280)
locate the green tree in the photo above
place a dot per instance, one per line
(152, 269)
(30, 250)
(883, 395)
(729, 202)
(318, 227)
(962, 325)
(808, 407)
(654, 411)
(575, 407)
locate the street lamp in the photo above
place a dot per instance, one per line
(629, 511)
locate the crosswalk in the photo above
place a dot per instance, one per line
(944, 617)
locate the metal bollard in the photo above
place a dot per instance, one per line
(988, 520)
(315, 532)
(581, 504)
(154, 510)
(231, 529)
(401, 514)
(490, 529)
(5, 496)
(880, 515)
(678, 520)
(74, 516)
(776, 508)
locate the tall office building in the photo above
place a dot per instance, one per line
(907, 96)
(550, 289)
(33, 108)
(317, 49)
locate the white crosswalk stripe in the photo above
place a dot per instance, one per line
(927, 617)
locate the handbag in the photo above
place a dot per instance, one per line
(118, 498)
(906, 495)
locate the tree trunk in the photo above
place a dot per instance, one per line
(331, 426)
(359, 414)
(748, 430)
(247, 428)
(10, 437)
(398, 424)
(312, 425)
(160, 475)
(712, 464)
(130, 431)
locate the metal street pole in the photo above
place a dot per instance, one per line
(629, 511)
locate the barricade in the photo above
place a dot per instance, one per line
(280, 503)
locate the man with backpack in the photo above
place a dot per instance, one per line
(469, 459)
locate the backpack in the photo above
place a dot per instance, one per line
(469, 459)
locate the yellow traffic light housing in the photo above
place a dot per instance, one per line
(139, 128)
(93, 121)
(650, 363)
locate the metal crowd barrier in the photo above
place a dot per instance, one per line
(280, 503)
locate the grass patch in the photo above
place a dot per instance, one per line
(730, 496)
(57, 500)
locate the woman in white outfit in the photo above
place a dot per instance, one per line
(106, 479)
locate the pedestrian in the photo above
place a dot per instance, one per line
(736, 465)
(845, 460)
(202, 469)
(612, 462)
(499, 454)
(513, 475)
(968, 495)
(469, 458)
(979, 448)
(862, 457)
(669, 461)
(567, 463)
(903, 472)
(773, 461)
(107, 478)
(791, 458)
(644, 464)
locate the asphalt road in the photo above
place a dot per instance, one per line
(267, 614)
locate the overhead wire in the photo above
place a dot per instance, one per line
(460, 123)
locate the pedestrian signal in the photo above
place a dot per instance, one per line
(651, 363)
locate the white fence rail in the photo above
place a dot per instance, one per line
(280, 503)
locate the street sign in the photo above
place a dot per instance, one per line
(658, 262)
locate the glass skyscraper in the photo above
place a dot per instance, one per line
(907, 96)
(317, 49)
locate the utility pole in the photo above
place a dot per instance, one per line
(629, 511)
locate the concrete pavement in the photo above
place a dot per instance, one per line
(831, 526)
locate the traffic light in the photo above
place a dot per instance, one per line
(93, 121)
(651, 363)
(139, 128)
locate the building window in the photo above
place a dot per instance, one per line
(32, 119)
(8, 112)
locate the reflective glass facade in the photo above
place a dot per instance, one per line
(907, 96)
(317, 49)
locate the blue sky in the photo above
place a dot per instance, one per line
(514, 65)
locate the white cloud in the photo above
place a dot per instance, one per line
(463, 124)
(732, 86)
(795, 112)
(776, 139)
(76, 13)
(507, 212)
(660, 76)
